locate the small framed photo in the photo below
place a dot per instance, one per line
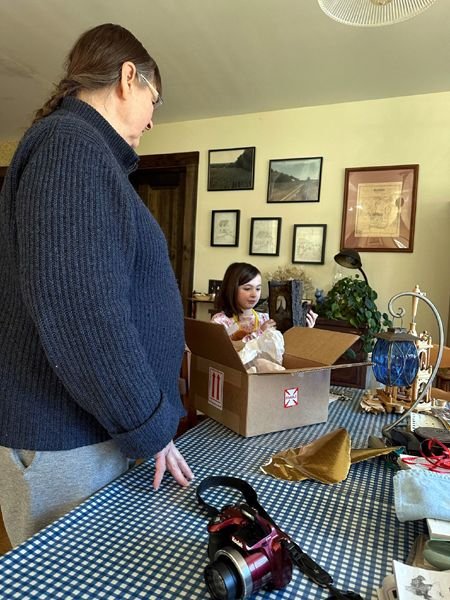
(265, 236)
(225, 227)
(380, 208)
(294, 180)
(231, 169)
(309, 244)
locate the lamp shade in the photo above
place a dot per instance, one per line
(395, 358)
(350, 258)
(373, 13)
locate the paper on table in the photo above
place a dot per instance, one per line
(413, 582)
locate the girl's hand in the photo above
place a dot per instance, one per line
(270, 324)
(311, 317)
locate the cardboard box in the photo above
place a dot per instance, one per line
(256, 403)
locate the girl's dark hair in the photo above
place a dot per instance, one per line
(237, 274)
(95, 61)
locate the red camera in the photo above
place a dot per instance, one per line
(247, 553)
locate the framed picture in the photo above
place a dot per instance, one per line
(225, 227)
(309, 244)
(294, 180)
(380, 208)
(231, 169)
(265, 236)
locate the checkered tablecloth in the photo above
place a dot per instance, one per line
(128, 541)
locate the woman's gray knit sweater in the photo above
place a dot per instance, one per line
(91, 322)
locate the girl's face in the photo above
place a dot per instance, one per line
(249, 293)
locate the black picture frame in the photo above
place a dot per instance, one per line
(265, 235)
(225, 227)
(308, 244)
(231, 169)
(294, 180)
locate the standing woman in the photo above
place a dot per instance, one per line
(90, 345)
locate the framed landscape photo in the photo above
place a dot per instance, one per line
(380, 208)
(308, 245)
(225, 227)
(294, 180)
(265, 236)
(231, 169)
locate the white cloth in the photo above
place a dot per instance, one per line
(421, 494)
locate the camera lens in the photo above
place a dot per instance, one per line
(222, 581)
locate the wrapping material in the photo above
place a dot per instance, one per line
(268, 346)
(327, 459)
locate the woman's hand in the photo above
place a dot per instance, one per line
(311, 317)
(170, 459)
(270, 324)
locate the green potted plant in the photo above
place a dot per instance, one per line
(353, 301)
(350, 307)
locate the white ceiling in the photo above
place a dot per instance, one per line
(222, 57)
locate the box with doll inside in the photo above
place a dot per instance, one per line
(255, 403)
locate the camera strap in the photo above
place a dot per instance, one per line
(304, 562)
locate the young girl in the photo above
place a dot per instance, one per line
(239, 294)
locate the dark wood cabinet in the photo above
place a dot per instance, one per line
(351, 376)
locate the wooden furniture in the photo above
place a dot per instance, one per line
(442, 382)
(354, 377)
(285, 304)
(192, 308)
(190, 419)
(5, 545)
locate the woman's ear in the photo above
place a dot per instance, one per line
(128, 74)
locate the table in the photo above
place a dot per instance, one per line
(193, 305)
(129, 542)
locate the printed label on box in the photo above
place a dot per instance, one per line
(290, 397)
(215, 388)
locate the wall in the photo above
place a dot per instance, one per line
(6, 151)
(393, 131)
(382, 132)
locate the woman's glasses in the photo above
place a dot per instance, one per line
(154, 92)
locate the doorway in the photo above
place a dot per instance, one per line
(167, 184)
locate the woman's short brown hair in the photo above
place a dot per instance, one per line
(236, 275)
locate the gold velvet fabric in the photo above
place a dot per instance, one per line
(327, 459)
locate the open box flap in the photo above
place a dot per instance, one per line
(312, 368)
(318, 345)
(211, 341)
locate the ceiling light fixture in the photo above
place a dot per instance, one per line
(372, 13)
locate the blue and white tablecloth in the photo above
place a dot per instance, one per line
(129, 542)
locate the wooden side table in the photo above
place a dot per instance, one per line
(443, 379)
(193, 305)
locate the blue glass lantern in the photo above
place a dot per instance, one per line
(395, 358)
